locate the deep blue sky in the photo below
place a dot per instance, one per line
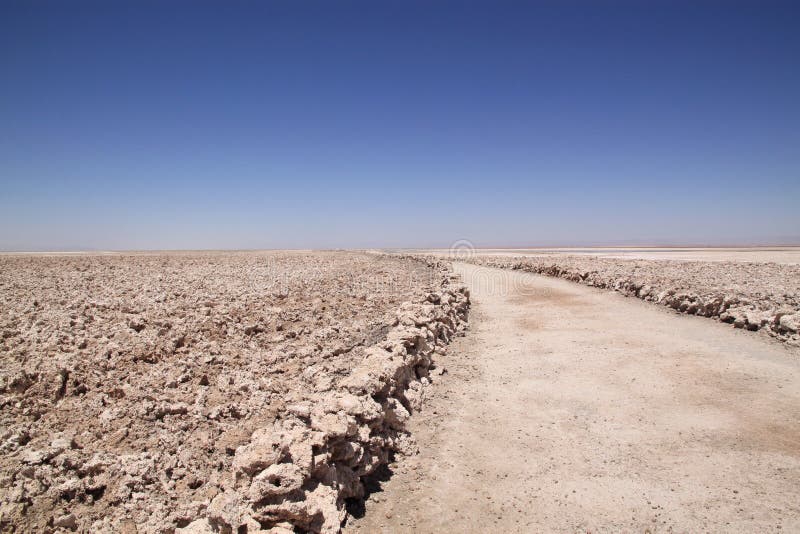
(358, 124)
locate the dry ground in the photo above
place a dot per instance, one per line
(131, 383)
(789, 255)
(763, 296)
(230, 391)
(570, 409)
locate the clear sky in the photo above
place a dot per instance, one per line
(293, 124)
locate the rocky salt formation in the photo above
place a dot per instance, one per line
(298, 472)
(209, 392)
(752, 296)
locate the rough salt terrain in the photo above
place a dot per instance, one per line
(199, 392)
(750, 295)
(237, 392)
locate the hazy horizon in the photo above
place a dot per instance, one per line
(503, 246)
(167, 126)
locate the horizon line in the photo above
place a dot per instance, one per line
(795, 244)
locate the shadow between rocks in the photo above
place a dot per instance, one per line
(372, 484)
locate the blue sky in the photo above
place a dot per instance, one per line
(151, 125)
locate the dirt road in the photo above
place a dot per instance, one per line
(568, 408)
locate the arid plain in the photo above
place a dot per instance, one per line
(505, 389)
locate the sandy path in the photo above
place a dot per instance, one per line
(572, 409)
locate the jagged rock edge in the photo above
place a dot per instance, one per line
(297, 473)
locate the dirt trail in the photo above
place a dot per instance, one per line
(566, 408)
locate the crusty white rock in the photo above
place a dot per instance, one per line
(197, 391)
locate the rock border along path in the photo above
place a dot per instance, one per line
(750, 296)
(299, 472)
(568, 408)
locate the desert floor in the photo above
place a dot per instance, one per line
(568, 408)
(785, 255)
(593, 390)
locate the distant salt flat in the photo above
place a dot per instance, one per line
(789, 255)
